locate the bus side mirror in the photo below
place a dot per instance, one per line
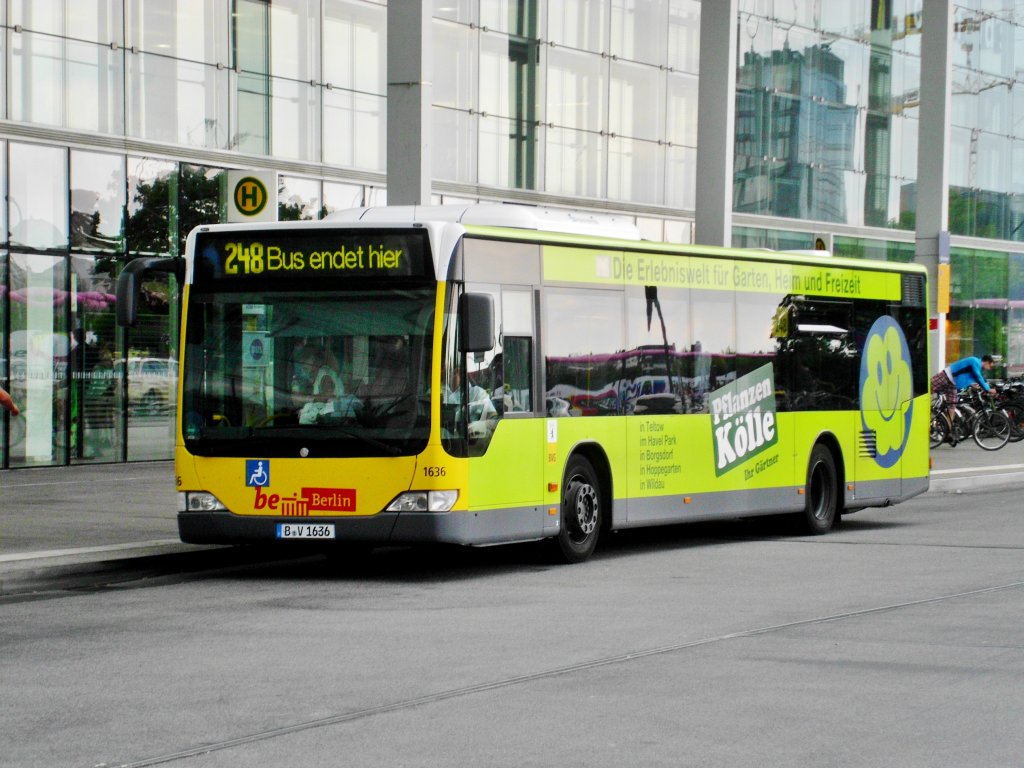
(476, 311)
(129, 283)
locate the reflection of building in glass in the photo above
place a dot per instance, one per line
(794, 134)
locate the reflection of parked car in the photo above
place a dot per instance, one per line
(152, 383)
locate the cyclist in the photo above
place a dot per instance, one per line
(964, 373)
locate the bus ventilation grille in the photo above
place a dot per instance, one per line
(913, 290)
(868, 447)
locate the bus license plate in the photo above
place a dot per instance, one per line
(304, 531)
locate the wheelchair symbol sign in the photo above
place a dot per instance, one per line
(257, 473)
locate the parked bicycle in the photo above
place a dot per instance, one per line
(976, 416)
(1010, 396)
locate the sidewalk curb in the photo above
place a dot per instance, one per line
(974, 482)
(44, 572)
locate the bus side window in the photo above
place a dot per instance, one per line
(513, 394)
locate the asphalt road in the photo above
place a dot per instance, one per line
(895, 640)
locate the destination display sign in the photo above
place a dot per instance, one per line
(244, 256)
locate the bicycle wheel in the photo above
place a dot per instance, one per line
(939, 430)
(991, 430)
(1016, 414)
(963, 423)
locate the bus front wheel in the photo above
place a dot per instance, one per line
(822, 492)
(582, 513)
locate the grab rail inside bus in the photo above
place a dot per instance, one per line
(129, 283)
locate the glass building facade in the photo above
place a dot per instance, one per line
(120, 118)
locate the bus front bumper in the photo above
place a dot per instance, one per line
(491, 527)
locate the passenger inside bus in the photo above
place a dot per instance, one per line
(482, 414)
(317, 383)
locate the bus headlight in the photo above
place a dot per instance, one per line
(199, 501)
(424, 501)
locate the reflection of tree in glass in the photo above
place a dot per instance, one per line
(193, 193)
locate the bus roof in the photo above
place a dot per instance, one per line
(508, 216)
(564, 227)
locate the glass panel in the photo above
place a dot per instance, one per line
(96, 392)
(96, 20)
(682, 110)
(295, 123)
(574, 163)
(200, 198)
(339, 197)
(455, 66)
(577, 90)
(992, 166)
(187, 29)
(515, 17)
(38, 196)
(581, 24)
(36, 78)
(960, 140)
(1015, 335)
(354, 56)
(455, 135)
(252, 59)
(681, 178)
(354, 130)
(16, 423)
(66, 83)
(3, 195)
(846, 19)
(496, 97)
(97, 201)
(464, 11)
(495, 147)
(636, 170)
(152, 205)
(152, 371)
(582, 351)
(295, 39)
(39, 352)
(684, 35)
(964, 101)
(637, 101)
(95, 88)
(298, 199)
(177, 101)
(639, 30)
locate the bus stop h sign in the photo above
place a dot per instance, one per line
(252, 196)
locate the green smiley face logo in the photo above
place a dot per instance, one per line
(886, 389)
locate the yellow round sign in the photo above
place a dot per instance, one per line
(250, 196)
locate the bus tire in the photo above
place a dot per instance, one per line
(822, 492)
(581, 514)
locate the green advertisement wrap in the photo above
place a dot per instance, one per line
(743, 419)
(726, 274)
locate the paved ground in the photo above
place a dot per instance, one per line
(59, 520)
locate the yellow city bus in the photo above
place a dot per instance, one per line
(489, 374)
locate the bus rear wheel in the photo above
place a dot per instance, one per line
(582, 513)
(822, 492)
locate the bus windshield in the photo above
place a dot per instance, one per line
(310, 373)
